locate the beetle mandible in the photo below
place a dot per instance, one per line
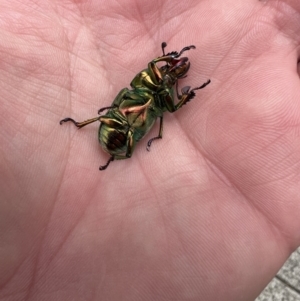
(134, 112)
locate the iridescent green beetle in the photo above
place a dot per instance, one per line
(134, 112)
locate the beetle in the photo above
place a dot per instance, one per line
(134, 111)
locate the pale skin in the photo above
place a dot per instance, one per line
(210, 213)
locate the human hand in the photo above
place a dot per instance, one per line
(211, 213)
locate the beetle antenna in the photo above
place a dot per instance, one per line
(186, 49)
(163, 46)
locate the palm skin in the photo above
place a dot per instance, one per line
(211, 213)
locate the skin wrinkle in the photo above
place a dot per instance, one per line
(264, 148)
(218, 173)
(33, 277)
(37, 260)
(31, 95)
(271, 181)
(278, 177)
(206, 157)
(250, 201)
(140, 19)
(38, 255)
(22, 262)
(270, 144)
(280, 160)
(68, 150)
(38, 146)
(158, 207)
(60, 246)
(279, 13)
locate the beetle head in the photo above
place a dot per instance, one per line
(177, 68)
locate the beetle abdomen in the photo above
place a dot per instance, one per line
(112, 140)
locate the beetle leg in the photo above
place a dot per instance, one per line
(117, 101)
(120, 97)
(178, 95)
(103, 167)
(202, 86)
(159, 134)
(105, 108)
(155, 73)
(112, 122)
(188, 94)
(130, 144)
(80, 124)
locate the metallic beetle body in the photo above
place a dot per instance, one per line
(134, 112)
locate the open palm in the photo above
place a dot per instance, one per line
(210, 213)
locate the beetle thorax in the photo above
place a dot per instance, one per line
(169, 80)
